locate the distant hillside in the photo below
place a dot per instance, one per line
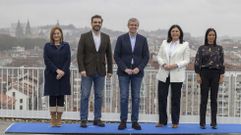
(7, 42)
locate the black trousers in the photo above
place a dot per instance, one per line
(56, 101)
(163, 88)
(210, 81)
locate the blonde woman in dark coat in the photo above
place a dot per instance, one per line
(57, 74)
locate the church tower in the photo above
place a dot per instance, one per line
(19, 30)
(28, 30)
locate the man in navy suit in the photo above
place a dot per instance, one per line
(131, 56)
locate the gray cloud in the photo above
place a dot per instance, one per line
(195, 16)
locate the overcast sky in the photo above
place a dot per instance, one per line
(194, 16)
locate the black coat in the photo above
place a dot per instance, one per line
(57, 58)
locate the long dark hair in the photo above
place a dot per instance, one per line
(169, 37)
(206, 35)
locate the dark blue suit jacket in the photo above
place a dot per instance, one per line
(123, 54)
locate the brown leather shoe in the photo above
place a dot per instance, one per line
(174, 125)
(99, 123)
(83, 124)
(122, 125)
(136, 126)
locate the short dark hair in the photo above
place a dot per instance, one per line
(206, 35)
(52, 33)
(96, 16)
(169, 37)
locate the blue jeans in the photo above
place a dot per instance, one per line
(86, 84)
(135, 82)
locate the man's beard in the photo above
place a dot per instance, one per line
(96, 28)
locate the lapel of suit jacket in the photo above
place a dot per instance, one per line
(166, 47)
(92, 42)
(128, 41)
(137, 42)
(101, 41)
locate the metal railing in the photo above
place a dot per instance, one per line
(21, 96)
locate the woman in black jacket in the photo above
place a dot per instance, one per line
(210, 72)
(57, 74)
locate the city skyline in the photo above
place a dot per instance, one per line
(193, 16)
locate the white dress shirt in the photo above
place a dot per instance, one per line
(97, 40)
(133, 43)
(172, 47)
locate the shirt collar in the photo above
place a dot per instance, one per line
(93, 33)
(131, 36)
(175, 42)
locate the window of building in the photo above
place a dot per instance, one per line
(21, 107)
(21, 100)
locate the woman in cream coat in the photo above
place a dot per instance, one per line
(173, 56)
